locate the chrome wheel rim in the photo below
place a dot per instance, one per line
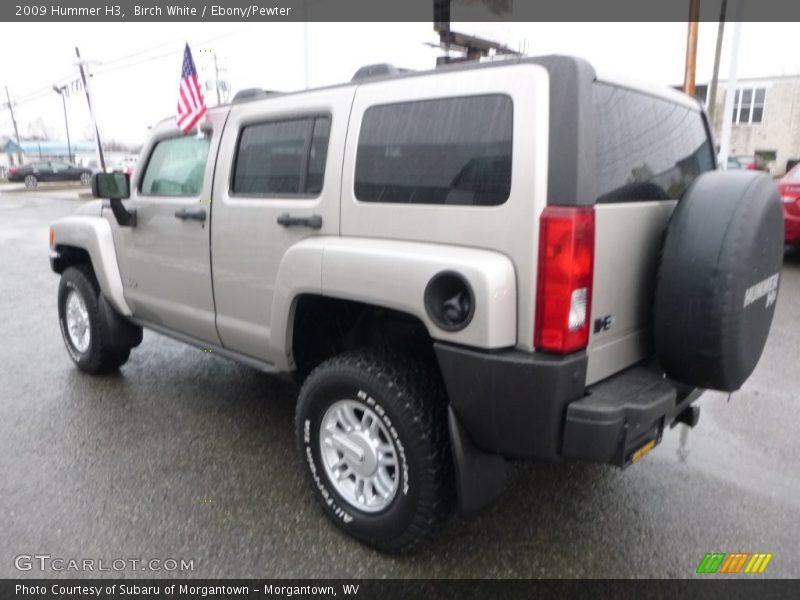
(86, 178)
(77, 318)
(359, 456)
(30, 181)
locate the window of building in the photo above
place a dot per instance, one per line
(748, 105)
(176, 167)
(445, 151)
(282, 157)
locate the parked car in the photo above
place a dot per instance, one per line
(789, 188)
(48, 171)
(120, 166)
(751, 163)
(518, 260)
(734, 164)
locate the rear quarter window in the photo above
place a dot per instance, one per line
(647, 148)
(448, 151)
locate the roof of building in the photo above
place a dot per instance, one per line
(54, 147)
(8, 145)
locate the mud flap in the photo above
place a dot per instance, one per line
(118, 332)
(480, 477)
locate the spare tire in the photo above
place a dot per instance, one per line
(718, 279)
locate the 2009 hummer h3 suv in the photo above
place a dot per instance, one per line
(522, 259)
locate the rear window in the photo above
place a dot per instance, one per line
(647, 148)
(445, 151)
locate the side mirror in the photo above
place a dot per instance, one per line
(116, 187)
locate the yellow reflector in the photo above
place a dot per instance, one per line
(643, 451)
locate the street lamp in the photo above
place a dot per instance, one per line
(62, 91)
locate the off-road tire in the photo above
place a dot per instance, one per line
(96, 359)
(410, 397)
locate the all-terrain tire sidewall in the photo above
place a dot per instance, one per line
(393, 528)
(79, 280)
(396, 516)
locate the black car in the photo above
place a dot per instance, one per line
(35, 172)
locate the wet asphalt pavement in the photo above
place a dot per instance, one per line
(185, 455)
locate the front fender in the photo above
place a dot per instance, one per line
(93, 234)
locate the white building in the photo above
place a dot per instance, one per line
(766, 119)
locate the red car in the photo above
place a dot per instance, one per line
(789, 188)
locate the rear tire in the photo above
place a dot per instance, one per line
(82, 325)
(382, 409)
(86, 179)
(31, 181)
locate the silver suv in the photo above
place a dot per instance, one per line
(522, 259)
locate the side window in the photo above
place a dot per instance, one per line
(446, 151)
(281, 157)
(176, 167)
(318, 155)
(646, 148)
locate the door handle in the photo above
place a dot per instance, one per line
(287, 220)
(192, 214)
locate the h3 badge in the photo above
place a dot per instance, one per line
(603, 323)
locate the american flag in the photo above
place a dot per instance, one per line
(191, 104)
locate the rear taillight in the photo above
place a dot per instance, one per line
(564, 285)
(12, 171)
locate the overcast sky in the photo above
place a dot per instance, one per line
(138, 64)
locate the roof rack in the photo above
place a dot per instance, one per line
(377, 70)
(251, 94)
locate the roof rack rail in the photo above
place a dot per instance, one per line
(377, 70)
(251, 94)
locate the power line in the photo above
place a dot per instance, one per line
(45, 91)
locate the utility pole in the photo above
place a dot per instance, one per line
(83, 65)
(216, 79)
(730, 92)
(691, 48)
(305, 44)
(62, 91)
(712, 90)
(14, 121)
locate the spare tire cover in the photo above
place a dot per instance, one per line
(718, 279)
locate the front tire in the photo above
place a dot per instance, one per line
(82, 325)
(86, 179)
(372, 432)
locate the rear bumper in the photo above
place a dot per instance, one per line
(624, 414)
(528, 405)
(512, 403)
